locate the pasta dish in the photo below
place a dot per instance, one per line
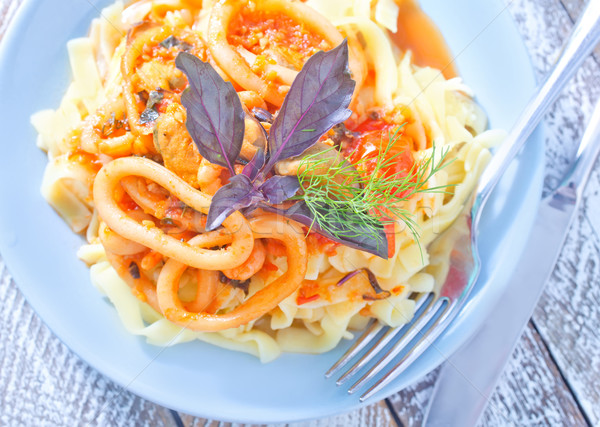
(262, 175)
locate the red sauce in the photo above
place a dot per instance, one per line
(275, 248)
(127, 203)
(390, 234)
(397, 290)
(88, 160)
(301, 299)
(268, 266)
(418, 33)
(260, 31)
(321, 244)
(374, 136)
(310, 290)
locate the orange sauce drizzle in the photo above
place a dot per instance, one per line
(417, 32)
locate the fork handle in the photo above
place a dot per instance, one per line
(580, 44)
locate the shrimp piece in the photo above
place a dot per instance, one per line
(252, 265)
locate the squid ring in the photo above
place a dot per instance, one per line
(109, 211)
(231, 61)
(257, 305)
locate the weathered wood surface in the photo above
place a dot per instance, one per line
(374, 415)
(530, 392)
(552, 376)
(568, 317)
(42, 383)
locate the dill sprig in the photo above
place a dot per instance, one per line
(343, 196)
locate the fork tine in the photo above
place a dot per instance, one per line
(370, 332)
(414, 329)
(382, 342)
(424, 342)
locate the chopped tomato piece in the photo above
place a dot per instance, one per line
(303, 300)
(390, 234)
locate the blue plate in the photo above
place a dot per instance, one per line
(198, 378)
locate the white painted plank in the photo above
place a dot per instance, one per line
(42, 383)
(568, 317)
(530, 392)
(377, 414)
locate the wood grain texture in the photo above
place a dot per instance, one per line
(377, 414)
(411, 403)
(530, 392)
(567, 316)
(42, 383)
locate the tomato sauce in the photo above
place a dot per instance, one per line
(373, 136)
(87, 160)
(260, 31)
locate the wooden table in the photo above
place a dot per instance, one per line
(552, 378)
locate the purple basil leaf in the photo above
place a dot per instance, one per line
(215, 118)
(254, 166)
(356, 237)
(238, 194)
(318, 100)
(278, 188)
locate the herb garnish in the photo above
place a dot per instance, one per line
(113, 124)
(215, 117)
(173, 41)
(348, 210)
(358, 202)
(150, 114)
(379, 292)
(318, 99)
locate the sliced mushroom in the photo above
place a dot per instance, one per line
(255, 137)
(341, 136)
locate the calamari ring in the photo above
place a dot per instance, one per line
(232, 62)
(263, 301)
(156, 207)
(105, 184)
(140, 38)
(116, 243)
(145, 290)
(208, 284)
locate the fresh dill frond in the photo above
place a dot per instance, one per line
(350, 197)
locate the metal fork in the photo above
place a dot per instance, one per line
(436, 310)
